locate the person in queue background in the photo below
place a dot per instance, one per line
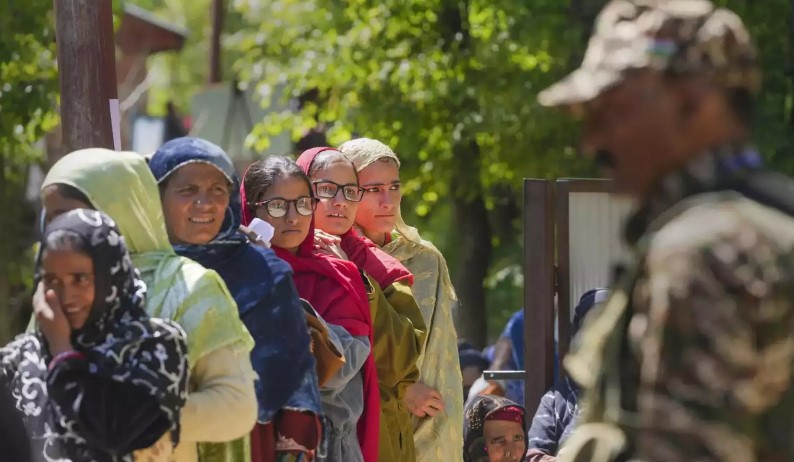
(511, 345)
(556, 415)
(199, 191)
(98, 379)
(692, 356)
(398, 322)
(472, 365)
(500, 357)
(494, 430)
(437, 434)
(221, 407)
(277, 191)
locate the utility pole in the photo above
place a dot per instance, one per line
(87, 68)
(215, 75)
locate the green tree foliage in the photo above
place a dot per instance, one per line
(178, 76)
(28, 86)
(770, 23)
(449, 85)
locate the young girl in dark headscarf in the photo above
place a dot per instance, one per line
(99, 378)
(221, 406)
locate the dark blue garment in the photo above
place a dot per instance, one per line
(471, 357)
(261, 284)
(515, 332)
(555, 418)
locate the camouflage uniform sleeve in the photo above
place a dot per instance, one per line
(716, 347)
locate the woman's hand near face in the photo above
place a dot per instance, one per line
(328, 244)
(52, 321)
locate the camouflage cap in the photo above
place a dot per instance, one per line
(676, 36)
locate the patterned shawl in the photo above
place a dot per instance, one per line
(274, 318)
(121, 185)
(120, 342)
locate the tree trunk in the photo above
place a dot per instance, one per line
(87, 68)
(473, 237)
(217, 13)
(471, 229)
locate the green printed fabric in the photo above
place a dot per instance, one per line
(440, 437)
(121, 185)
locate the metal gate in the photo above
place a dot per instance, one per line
(572, 238)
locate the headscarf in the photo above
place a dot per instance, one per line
(472, 357)
(335, 289)
(363, 152)
(382, 267)
(121, 185)
(119, 342)
(439, 365)
(587, 302)
(251, 272)
(479, 410)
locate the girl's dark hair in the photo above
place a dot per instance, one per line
(264, 173)
(70, 192)
(327, 158)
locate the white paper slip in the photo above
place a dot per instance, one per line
(264, 229)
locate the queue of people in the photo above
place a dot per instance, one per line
(183, 314)
(556, 413)
(166, 329)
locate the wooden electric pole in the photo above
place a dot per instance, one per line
(215, 75)
(87, 67)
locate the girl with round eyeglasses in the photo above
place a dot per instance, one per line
(277, 191)
(398, 322)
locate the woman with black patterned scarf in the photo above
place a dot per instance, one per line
(98, 379)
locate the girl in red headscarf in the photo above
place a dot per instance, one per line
(277, 191)
(398, 322)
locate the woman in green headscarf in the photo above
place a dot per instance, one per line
(221, 408)
(438, 434)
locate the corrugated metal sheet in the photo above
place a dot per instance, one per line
(595, 239)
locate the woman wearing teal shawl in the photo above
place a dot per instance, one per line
(222, 405)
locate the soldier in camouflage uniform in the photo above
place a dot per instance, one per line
(691, 358)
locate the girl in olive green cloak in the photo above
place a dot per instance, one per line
(397, 321)
(438, 434)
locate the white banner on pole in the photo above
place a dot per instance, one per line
(115, 123)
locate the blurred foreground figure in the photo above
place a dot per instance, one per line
(691, 358)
